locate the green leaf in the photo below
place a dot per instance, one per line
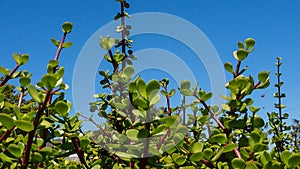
(132, 134)
(187, 167)
(186, 92)
(24, 81)
(169, 120)
(36, 157)
(240, 54)
(154, 98)
(21, 59)
(250, 42)
(7, 121)
(55, 42)
(178, 159)
(185, 84)
(196, 147)
(241, 45)
(47, 150)
(141, 87)
(142, 103)
(260, 147)
(17, 58)
(4, 71)
(24, 125)
(61, 108)
(67, 44)
(60, 73)
(263, 76)
(84, 142)
(49, 81)
(196, 156)
(158, 130)
(152, 88)
(218, 138)
(230, 147)
(128, 71)
(205, 96)
(125, 155)
(258, 122)
(36, 96)
(107, 43)
(208, 153)
(284, 156)
(67, 27)
(238, 163)
(53, 63)
(294, 160)
(5, 158)
(24, 59)
(251, 165)
(228, 67)
(172, 92)
(15, 150)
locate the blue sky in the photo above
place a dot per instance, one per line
(28, 26)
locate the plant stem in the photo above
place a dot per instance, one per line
(39, 113)
(237, 69)
(144, 160)
(9, 76)
(60, 46)
(123, 34)
(161, 141)
(213, 115)
(279, 95)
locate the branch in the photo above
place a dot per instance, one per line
(213, 115)
(39, 113)
(9, 76)
(162, 139)
(60, 46)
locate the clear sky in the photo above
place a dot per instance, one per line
(28, 26)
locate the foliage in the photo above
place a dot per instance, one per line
(40, 133)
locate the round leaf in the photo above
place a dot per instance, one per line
(15, 150)
(218, 138)
(49, 81)
(238, 163)
(6, 121)
(67, 27)
(24, 125)
(128, 71)
(294, 160)
(250, 42)
(24, 81)
(61, 108)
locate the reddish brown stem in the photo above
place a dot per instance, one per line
(9, 76)
(237, 69)
(208, 164)
(39, 113)
(60, 46)
(162, 139)
(78, 150)
(213, 115)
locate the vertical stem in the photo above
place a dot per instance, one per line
(41, 109)
(123, 34)
(184, 110)
(60, 46)
(279, 95)
(144, 160)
